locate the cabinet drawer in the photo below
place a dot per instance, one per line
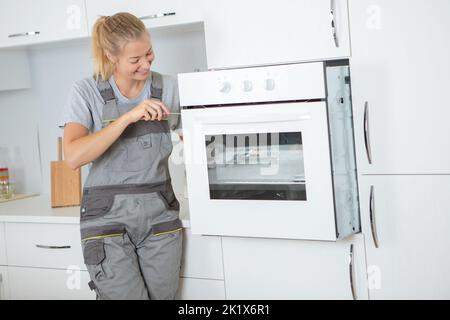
(201, 289)
(48, 284)
(44, 245)
(202, 256)
(2, 244)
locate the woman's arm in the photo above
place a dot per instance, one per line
(80, 147)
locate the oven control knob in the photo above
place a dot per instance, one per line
(247, 85)
(270, 84)
(225, 87)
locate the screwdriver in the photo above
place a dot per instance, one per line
(166, 115)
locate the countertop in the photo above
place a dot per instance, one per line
(37, 209)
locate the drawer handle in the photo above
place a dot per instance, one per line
(334, 27)
(158, 15)
(24, 34)
(350, 269)
(52, 247)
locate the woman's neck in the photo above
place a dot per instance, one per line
(129, 88)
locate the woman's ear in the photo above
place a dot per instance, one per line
(110, 57)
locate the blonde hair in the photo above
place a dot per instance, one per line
(112, 33)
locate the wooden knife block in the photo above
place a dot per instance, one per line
(65, 182)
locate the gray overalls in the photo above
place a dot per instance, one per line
(130, 229)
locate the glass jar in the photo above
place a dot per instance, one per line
(5, 186)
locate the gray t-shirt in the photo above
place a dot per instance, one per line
(84, 103)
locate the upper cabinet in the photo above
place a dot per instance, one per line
(260, 32)
(399, 69)
(155, 13)
(24, 22)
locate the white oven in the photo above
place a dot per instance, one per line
(269, 151)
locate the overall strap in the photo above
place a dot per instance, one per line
(157, 86)
(110, 110)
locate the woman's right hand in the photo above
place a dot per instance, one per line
(148, 110)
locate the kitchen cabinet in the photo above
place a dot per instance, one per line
(44, 245)
(292, 269)
(156, 13)
(202, 256)
(28, 284)
(411, 226)
(201, 289)
(399, 69)
(4, 283)
(26, 22)
(257, 32)
(15, 70)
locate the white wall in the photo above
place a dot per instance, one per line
(26, 115)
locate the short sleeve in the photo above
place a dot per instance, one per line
(76, 108)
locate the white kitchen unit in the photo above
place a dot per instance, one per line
(26, 22)
(40, 255)
(202, 256)
(15, 70)
(399, 68)
(293, 269)
(3, 260)
(406, 224)
(42, 245)
(260, 32)
(202, 276)
(155, 13)
(48, 284)
(201, 289)
(4, 283)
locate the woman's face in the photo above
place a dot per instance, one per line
(135, 59)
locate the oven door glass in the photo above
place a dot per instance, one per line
(256, 166)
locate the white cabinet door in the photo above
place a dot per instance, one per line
(258, 32)
(4, 283)
(400, 67)
(202, 256)
(411, 219)
(2, 244)
(155, 13)
(48, 284)
(292, 269)
(24, 22)
(201, 289)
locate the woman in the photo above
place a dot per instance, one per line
(120, 121)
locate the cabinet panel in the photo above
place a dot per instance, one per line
(399, 66)
(4, 283)
(28, 245)
(21, 20)
(200, 289)
(292, 269)
(258, 32)
(28, 284)
(2, 244)
(202, 256)
(150, 12)
(410, 215)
